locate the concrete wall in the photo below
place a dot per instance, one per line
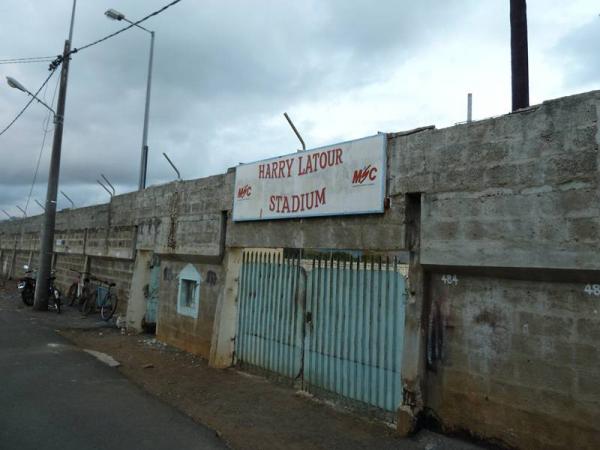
(516, 359)
(118, 271)
(517, 191)
(510, 205)
(191, 334)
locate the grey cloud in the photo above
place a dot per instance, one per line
(578, 53)
(222, 68)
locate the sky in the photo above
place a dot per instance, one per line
(225, 71)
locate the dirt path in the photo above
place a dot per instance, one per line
(248, 411)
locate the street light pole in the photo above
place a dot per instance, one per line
(40, 302)
(116, 15)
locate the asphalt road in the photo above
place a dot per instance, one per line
(55, 396)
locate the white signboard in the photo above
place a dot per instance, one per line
(346, 178)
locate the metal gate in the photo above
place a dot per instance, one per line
(271, 314)
(335, 324)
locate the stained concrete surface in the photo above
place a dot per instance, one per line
(55, 396)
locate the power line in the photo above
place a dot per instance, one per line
(75, 50)
(28, 61)
(15, 60)
(58, 61)
(28, 103)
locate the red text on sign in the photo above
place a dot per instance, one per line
(297, 203)
(244, 191)
(361, 175)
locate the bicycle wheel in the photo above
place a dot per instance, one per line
(109, 306)
(72, 294)
(89, 305)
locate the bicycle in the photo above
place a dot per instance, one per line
(79, 291)
(102, 299)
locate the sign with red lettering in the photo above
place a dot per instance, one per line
(346, 178)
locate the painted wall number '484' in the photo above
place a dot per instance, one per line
(592, 289)
(450, 279)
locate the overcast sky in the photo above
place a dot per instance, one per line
(225, 71)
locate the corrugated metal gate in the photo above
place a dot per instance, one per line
(335, 324)
(271, 314)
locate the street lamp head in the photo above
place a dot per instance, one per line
(15, 84)
(114, 14)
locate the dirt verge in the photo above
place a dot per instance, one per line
(248, 412)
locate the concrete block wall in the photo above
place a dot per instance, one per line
(21, 259)
(191, 334)
(65, 265)
(516, 196)
(516, 360)
(519, 190)
(115, 270)
(5, 263)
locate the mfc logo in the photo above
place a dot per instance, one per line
(361, 175)
(244, 191)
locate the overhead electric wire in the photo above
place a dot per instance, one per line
(58, 60)
(29, 61)
(28, 103)
(46, 129)
(32, 58)
(158, 11)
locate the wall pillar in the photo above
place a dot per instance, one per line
(225, 323)
(413, 355)
(136, 306)
(13, 262)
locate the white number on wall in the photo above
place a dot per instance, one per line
(450, 279)
(592, 289)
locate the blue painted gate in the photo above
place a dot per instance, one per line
(270, 314)
(334, 324)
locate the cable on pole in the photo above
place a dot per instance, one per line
(56, 62)
(5, 129)
(46, 129)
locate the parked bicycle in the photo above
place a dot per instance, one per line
(102, 299)
(80, 290)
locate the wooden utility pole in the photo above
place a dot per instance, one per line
(519, 54)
